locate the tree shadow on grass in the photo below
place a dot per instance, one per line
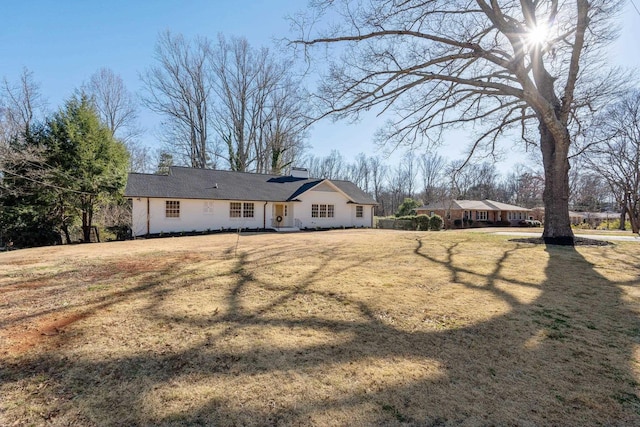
(564, 357)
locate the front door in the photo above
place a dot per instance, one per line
(279, 215)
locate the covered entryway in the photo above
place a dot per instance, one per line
(281, 215)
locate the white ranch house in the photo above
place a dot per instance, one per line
(189, 199)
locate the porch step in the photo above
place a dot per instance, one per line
(285, 229)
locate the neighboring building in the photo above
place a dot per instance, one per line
(479, 211)
(189, 199)
(593, 219)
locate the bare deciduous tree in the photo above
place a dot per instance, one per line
(616, 154)
(118, 110)
(379, 172)
(179, 88)
(260, 112)
(20, 105)
(524, 64)
(115, 104)
(523, 187)
(358, 172)
(432, 169)
(228, 102)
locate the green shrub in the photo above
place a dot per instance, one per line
(613, 224)
(412, 218)
(422, 222)
(435, 223)
(407, 207)
(457, 222)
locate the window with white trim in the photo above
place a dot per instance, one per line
(172, 208)
(322, 211)
(235, 209)
(359, 212)
(481, 215)
(247, 210)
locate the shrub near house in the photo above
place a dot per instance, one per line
(412, 222)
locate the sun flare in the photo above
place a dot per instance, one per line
(538, 35)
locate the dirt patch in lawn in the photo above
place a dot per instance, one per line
(21, 341)
(362, 327)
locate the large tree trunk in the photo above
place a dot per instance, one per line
(633, 218)
(557, 224)
(86, 228)
(67, 236)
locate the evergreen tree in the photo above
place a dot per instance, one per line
(86, 160)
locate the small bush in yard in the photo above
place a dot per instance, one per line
(411, 218)
(423, 222)
(435, 223)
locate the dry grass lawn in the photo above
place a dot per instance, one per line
(356, 327)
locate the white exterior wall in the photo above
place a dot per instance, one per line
(344, 213)
(193, 216)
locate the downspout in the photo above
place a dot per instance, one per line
(264, 216)
(148, 218)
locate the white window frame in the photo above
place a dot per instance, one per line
(235, 210)
(248, 210)
(359, 211)
(172, 209)
(322, 210)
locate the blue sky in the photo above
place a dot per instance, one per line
(65, 41)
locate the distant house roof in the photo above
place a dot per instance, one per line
(590, 215)
(192, 183)
(471, 205)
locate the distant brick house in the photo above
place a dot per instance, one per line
(488, 212)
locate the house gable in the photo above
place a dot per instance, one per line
(324, 186)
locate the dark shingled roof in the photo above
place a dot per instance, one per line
(192, 183)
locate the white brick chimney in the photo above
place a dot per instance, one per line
(300, 173)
